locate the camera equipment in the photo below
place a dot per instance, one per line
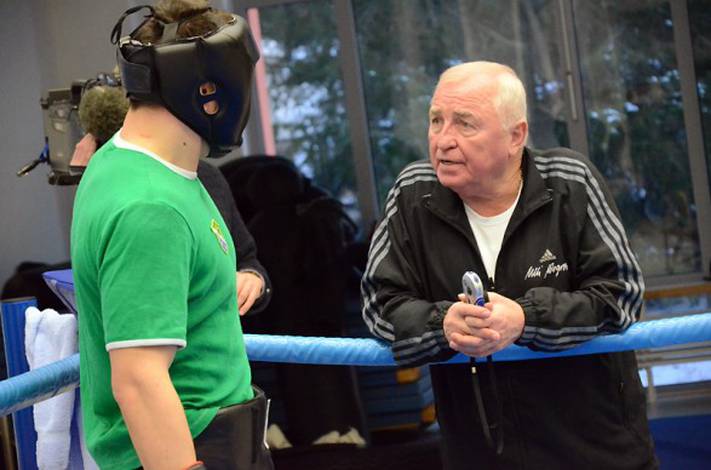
(62, 128)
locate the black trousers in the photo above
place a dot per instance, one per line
(234, 440)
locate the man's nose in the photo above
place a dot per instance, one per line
(445, 139)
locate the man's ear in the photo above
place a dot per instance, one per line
(519, 135)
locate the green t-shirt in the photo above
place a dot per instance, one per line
(153, 265)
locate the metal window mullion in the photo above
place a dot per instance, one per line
(577, 125)
(694, 128)
(356, 112)
(254, 134)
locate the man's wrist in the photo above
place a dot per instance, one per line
(197, 465)
(527, 307)
(436, 320)
(523, 322)
(259, 275)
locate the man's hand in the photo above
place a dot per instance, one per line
(506, 319)
(468, 329)
(249, 287)
(83, 151)
(481, 331)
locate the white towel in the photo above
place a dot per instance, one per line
(50, 337)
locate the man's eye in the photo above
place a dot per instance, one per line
(435, 120)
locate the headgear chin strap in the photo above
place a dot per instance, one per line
(170, 72)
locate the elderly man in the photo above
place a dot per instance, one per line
(542, 231)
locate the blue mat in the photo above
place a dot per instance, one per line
(682, 442)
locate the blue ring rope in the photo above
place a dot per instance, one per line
(45, 382)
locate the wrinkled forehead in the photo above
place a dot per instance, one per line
(470, 96)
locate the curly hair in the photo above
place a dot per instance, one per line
(204, 19)
(101, 111)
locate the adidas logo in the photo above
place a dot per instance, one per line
(547, 256)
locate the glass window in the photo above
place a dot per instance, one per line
(636, 127)
(300, 46)
(405, 45)
(700, 25)
(673, 306)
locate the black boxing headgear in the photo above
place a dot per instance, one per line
(171, 71)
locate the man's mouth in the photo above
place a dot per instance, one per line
(445, 162)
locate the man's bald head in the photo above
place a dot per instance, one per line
(509, 98)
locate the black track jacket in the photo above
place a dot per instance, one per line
(566, 260)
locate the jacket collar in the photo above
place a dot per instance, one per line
(535, 193)
(447, 204)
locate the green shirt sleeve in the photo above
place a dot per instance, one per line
(144, 277)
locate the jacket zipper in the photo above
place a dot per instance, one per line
(469, 236)
(547, 199)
